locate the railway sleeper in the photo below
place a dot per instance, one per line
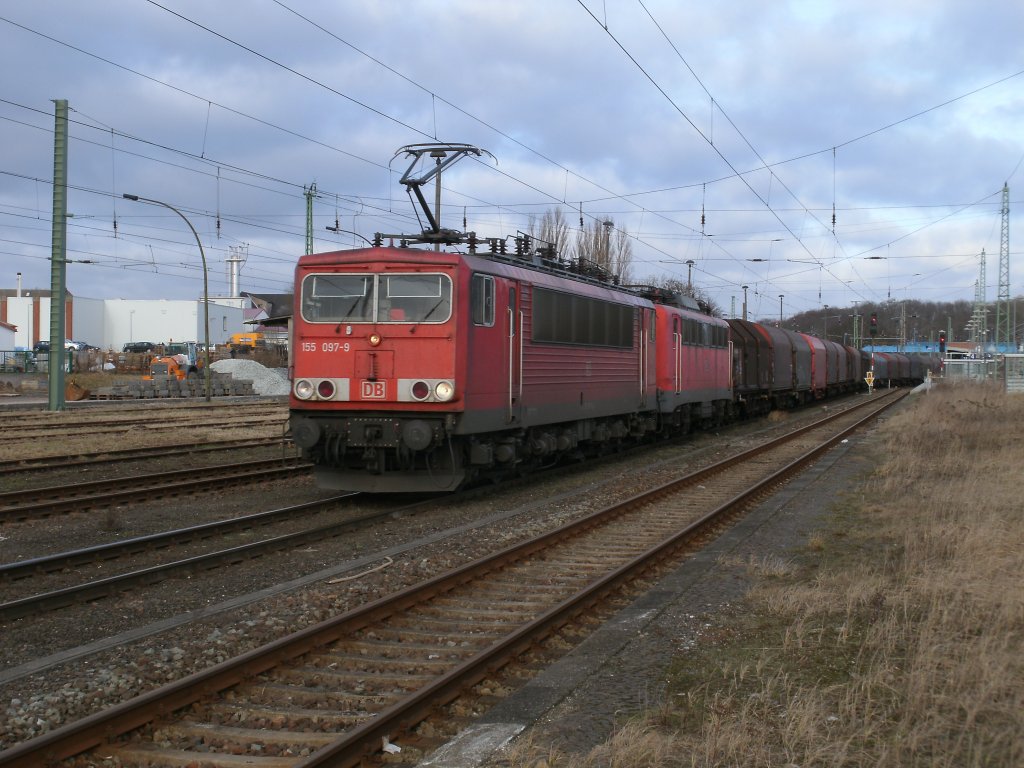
(264, 714)
(144, 754)
(335, 680)
(354, 663)
(273, 692)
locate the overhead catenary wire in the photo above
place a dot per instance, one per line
(709, 139)
(210, 104)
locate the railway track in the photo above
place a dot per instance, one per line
(140, 413)
(103, 587)
(83, 459)
(22, 505)
(333, 693)
(95, 428)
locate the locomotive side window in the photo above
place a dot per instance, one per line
(334, 298)
(415, 298)
(561, 318)
(481, 299)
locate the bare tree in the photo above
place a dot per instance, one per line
(552, 228)
(688, 289)
(607, 246)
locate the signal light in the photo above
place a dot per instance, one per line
(420, 390)
(942, 343)
(874, 324)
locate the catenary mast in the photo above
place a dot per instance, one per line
(1004, 323)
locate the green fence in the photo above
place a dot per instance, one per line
(18, 361)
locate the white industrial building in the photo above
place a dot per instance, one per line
(7, 334)
(112, 323)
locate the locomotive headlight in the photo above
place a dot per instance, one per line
(374, 339)
(303, 389)
(326, 389)
(444, 391)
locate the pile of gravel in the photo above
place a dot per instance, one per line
(265, 381)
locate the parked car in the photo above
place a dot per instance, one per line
(44, 345)
(139, 346)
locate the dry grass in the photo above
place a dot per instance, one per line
(897, 642)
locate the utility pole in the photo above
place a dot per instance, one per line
(903, 327)
(58, 256)
(980, 316)
(1004, 323)
(310, 192)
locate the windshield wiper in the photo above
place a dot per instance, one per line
(433, 309)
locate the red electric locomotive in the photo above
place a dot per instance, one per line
(417, 370)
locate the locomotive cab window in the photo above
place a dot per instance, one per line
(336, 298)
(481, 298)
(405, 298)
(415, 298)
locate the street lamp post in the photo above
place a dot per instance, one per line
(744, 302)
(825, 333)
(206, 286)
(689, 274)
(780, 310)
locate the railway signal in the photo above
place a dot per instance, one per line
(873, 327)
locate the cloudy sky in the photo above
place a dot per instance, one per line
(722, 133)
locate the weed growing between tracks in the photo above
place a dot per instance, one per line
(893, 639)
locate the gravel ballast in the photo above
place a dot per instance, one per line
(180, 627)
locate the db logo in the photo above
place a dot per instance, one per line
(374, 390)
